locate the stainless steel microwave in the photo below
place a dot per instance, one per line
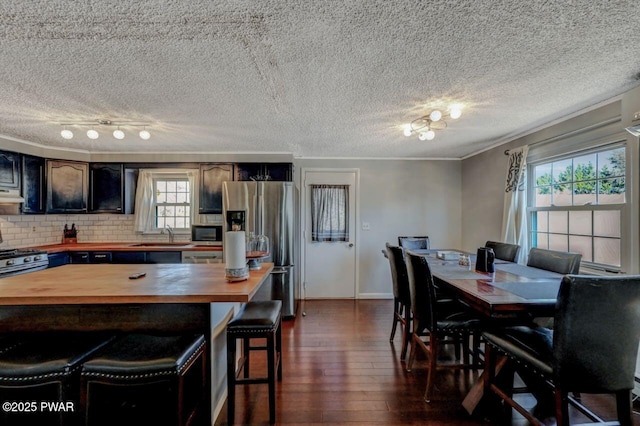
(210, 234)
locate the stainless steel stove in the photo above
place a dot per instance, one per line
(21, 261)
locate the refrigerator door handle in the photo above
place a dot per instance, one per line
(279, 272)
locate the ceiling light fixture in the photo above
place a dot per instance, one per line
(93, 132)
(144, 134)
(424, 126)
(118, 134)
(66, 133)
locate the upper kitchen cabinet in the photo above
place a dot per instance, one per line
(33, 190)
(264, 171)
(67, 186)
(106, 194)
(211, 178)
(9, 170)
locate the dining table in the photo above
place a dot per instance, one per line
(512, 290)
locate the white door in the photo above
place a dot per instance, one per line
(330, 267)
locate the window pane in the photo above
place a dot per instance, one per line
(611, 163)
(161, 222)
(180, 222)
(582, 245)
(181, 186)
(181, 198)
(580, 222)
(562, 194)
(558, 242)
(542, 221)
(558, 222)
(611, 191)
(542, 241)
(607, 223)
(161, 197)
(171, 197)
(161, 186)
(584, 168)
(543, 196)
(171, 186)
(607, 251)
(543, 174)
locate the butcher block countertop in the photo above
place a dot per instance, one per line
(133, 246)
(110, 284)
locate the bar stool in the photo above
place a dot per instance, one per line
(44, 368)
(255, 320)
(145, 379)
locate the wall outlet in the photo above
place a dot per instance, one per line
(33, 229)
(366, 226)
(636, 116)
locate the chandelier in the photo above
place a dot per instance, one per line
(93, 128)
(426, 125)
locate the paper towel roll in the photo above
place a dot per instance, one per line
(235, 250)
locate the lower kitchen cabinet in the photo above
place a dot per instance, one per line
(164, 257)
(79, 257)
(128, 257)
(100, 257)
(58, 259)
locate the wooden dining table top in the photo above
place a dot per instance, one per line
(511, 289)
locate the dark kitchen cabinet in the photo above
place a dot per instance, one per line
(9, 170)
(58, 259)
(164, 257)
(128, 257)
(33, 190)
(106, 188)
(79, 257)
(211, 178)
(100, 257)
(67, 186)
(264, 171)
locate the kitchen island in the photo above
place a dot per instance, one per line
(170, 298)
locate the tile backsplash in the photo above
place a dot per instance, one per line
(34, 230)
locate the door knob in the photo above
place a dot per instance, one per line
(350, 245)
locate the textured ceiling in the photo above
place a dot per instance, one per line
(321, 78)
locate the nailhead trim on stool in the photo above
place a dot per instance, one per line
(145, 379)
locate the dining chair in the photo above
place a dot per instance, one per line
(555, 261)
(414, 243)
(504, 251)
(580, 355)
(401, 296)
(438, 323)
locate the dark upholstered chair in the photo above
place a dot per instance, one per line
(401, 296)
(556, 261)
(504, 251)
(414, 243)
(444, 323)
(45, 367)
(145, 379)
(255, 320)
(580, 355)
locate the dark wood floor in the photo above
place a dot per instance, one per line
(339, 368)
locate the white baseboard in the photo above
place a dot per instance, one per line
(375, 296)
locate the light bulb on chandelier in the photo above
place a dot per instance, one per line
(426, 125)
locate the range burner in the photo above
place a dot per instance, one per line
(20, 261)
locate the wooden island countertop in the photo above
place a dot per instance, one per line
(110, 284)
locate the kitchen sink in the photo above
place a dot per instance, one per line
(161, 245)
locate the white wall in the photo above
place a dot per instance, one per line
(400, 198)
(484, 175)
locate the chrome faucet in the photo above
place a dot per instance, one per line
(170, 231)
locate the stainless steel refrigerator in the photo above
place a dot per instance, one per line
(269, 210)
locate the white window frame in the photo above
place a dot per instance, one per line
(624, 208)
(188, 204)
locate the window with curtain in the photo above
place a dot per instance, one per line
(578, 205)
(329, 213)
(172, 198)
(165, 197)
